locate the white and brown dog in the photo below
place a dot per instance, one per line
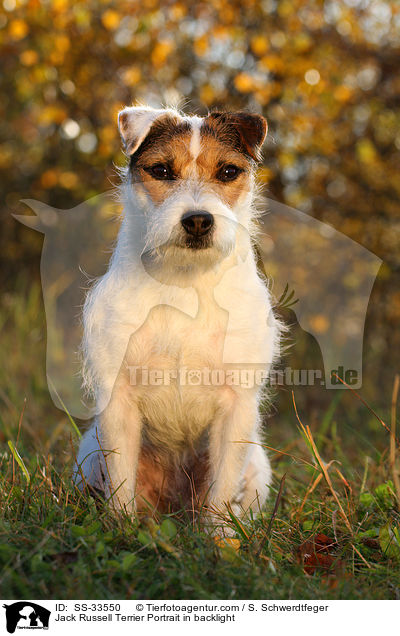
(178, 318)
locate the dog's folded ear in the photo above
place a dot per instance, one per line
(247, 130)
(134, 123)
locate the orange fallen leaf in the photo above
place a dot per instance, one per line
(223, 542)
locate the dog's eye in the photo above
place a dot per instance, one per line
(229, 172)
(160, 171)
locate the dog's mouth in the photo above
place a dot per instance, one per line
(197, 242)
(182, 249)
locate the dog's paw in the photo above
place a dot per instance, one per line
(217, 529)
(216, 521)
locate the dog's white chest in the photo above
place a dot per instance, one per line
(178, 364)
(171, 356)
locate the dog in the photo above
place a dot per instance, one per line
(182, 300)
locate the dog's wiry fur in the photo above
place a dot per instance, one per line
(162, 305)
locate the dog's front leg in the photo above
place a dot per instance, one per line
(121, 428)
(229, 445)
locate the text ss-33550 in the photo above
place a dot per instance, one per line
(97, 607)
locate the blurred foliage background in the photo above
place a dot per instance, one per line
(325, 73)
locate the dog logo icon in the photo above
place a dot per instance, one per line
(291, 244)
(26, 615)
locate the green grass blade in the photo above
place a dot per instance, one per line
(19, 460)
(71, 419)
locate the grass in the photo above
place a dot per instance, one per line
(331, 528)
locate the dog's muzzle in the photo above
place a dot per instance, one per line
(198, 225)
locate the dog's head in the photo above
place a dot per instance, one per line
(195, 177)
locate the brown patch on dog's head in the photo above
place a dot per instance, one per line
(176, 156)
(163, 132)
(244, 132)
(215, 155)
(162, 154)
(167, 144)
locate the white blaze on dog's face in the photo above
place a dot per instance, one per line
(196, 176)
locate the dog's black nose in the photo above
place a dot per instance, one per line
(197, 222)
